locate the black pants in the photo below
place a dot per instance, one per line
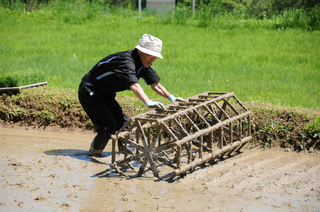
(105, 113)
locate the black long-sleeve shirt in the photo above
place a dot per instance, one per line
(117, 72)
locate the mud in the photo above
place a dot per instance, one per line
(50, 171)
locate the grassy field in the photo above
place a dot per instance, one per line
(249, 57)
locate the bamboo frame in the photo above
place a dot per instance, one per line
(186, 134)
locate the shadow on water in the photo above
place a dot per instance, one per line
(111, 172)
(77, 154)
(83, 155)
(129, 172)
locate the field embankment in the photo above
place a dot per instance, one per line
(293, 129)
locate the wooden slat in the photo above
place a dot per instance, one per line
(12, 89)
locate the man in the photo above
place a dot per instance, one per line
(118, 72)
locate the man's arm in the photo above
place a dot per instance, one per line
(139, 92)
(160, 90)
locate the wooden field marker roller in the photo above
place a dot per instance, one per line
(185, 135)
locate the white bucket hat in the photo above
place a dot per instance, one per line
(150, 45)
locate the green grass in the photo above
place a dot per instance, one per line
(247, 56)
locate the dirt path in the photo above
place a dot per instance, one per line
(49, 171)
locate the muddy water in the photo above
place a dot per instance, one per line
(50, 171)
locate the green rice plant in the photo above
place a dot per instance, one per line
(231, 54)
(8, 81)
(21, 78)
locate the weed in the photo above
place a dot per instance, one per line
(45, 117)
(311, 135)
(15, 114)
(66, 103)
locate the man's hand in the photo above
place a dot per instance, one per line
(172, 98)
(153, 104)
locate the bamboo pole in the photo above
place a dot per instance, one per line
(208, 157)
(15, 89)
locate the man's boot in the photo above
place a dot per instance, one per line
(98, 144)
(125, 149)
